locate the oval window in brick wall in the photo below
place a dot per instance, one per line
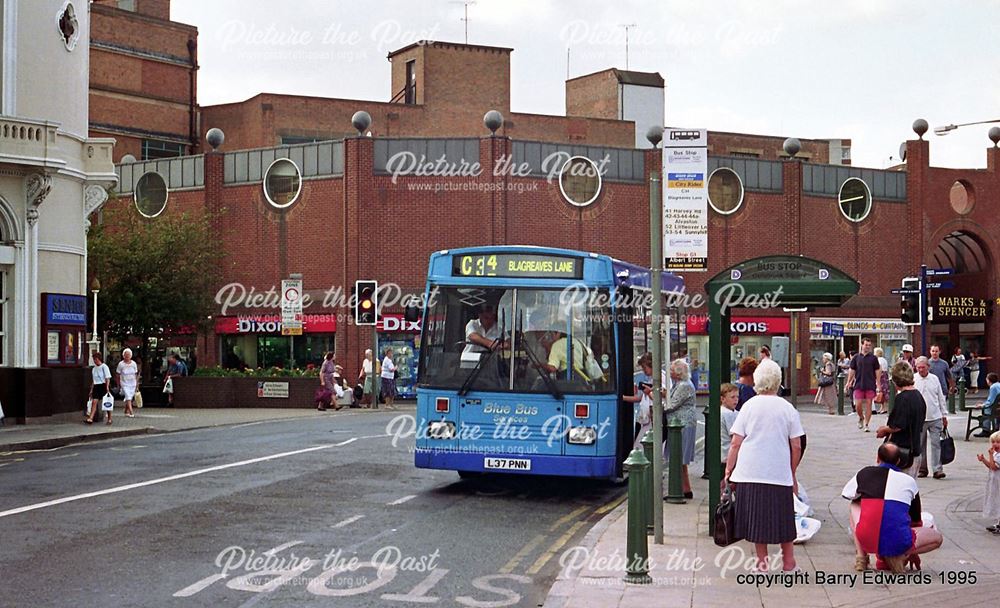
(725, 191)
(151, 194)
(580, 181)
(282, 183)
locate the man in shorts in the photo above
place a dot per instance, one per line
(864, 379)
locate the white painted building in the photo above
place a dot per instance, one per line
(52, 175)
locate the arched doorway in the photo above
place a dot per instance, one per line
(8, 254)
(961, 313)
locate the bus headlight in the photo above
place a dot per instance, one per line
(583, 435)
(441, 429)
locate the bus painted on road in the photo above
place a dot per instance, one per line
(525, 356)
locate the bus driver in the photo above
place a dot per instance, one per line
(482, 332)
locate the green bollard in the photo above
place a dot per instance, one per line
(675, 489)
(961, 394)
(892, 396)
(647, 451)
(951, 402)
(841, 378)
(637, 549)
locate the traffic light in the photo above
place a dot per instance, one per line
(912, 303)
(366, 310)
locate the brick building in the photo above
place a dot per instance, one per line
(143, 79)
(313, 208)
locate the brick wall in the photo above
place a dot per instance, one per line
(767, 147)
(593, 95)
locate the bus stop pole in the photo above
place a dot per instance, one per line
(656, 288)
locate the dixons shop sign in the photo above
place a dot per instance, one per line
(271, 324)
(698, 324)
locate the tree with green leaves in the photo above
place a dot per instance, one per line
(158, 276)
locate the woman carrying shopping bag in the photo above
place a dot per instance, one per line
(101, 386)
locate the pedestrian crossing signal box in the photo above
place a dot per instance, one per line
(912, 303)
(366, 309)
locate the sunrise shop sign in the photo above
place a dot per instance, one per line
(959, 307)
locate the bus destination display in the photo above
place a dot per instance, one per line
(513, 265)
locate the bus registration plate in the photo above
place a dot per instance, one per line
(510, 464)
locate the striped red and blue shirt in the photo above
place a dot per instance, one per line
(890, 507)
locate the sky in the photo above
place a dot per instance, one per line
(853, 69)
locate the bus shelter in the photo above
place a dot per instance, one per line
(791, 282)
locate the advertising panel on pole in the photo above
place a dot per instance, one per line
(685, 200)
(291, 307)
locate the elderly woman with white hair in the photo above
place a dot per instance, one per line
(681, 405)
(826, 379)
(763, 457)
(127, 374)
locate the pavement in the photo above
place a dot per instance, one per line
(690, 570)
(49, 435)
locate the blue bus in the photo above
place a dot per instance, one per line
(525, 355)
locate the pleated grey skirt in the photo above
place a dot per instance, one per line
(765, 513)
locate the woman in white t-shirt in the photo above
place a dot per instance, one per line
(388, 379)
(101, 376)
(128, 379)
(765, 451)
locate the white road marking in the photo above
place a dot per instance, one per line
(347, 522)
(351, 440)
(283, 547)
(65, 456)
(400, 501)
(142, 484)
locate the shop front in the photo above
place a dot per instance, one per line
(403, 336)
(959, 321)
(888, 334)
(64, 323)
(257, 341)
(748, 335)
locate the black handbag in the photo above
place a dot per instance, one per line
(947, 447)
(724, 533)
(825, 380)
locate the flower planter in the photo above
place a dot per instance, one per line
(205, 391)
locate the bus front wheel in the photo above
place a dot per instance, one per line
(469, 474)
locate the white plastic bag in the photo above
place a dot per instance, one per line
(168, 386)
(1, 411)
(108, 403)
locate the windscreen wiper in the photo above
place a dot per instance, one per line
(479, 366)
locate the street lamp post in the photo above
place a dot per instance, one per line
(95, 344)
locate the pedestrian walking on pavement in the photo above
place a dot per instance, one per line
(175, 369)
(883, 383)
(128, 375)
(642, 409)
(826, 394)
(863, 380)
(941, 369)
(367, 378)
(101, 386)
(388, 377)
(906, 421)
(844, 363)
(935, 421)
(763, 457)
(326, 383)
(907, 356)
(991, 504)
